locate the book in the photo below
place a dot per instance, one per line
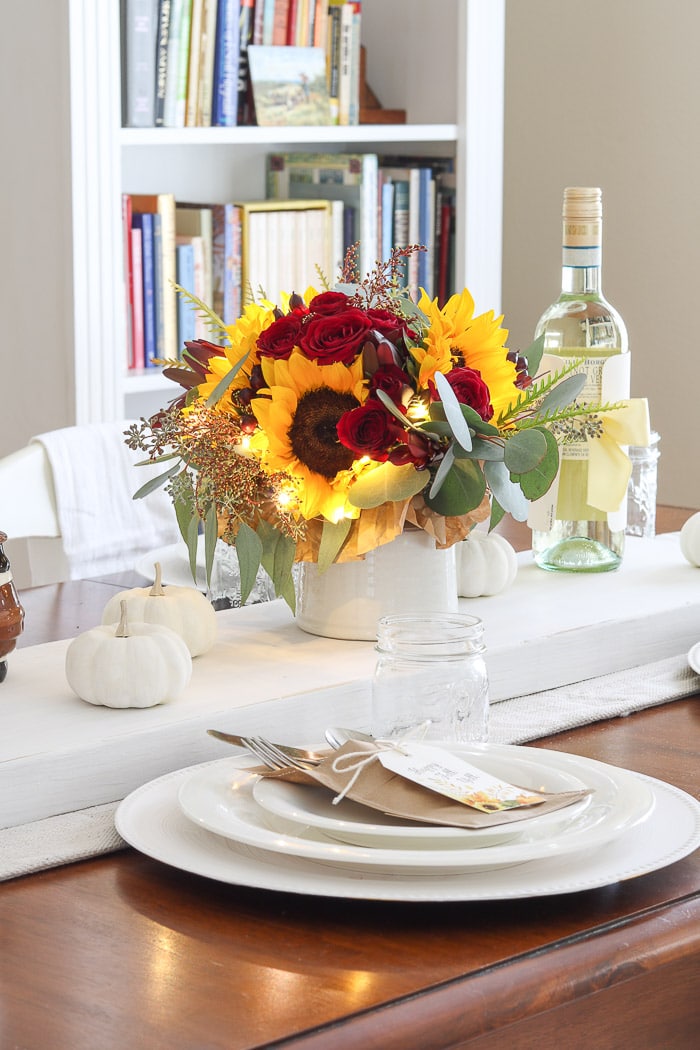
(137, 270)
(349, 177)
(280, 253)
(128, 276)
(197, 220)
(163, 35)
(426, 229)
(320, 38)
(158, 285)
(333, 57)
(207, 45)
(355, 41)
(289, 85)
(193, 66)
(345, 61)
(245, 38)
(387, 214)
(226, 57)
(226, 261)
(140, 32)
(185, 278)
(164, 205)
(406, 218)
(177, 64)
(144, 222)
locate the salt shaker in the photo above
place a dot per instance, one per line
(11, 612)
(430, 678)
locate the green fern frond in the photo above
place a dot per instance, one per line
(211, 320)
(527, 399)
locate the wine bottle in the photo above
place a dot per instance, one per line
(568, 534)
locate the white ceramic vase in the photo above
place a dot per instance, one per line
(408, 575)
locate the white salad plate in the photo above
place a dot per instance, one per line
(297, 806)
(150, 820)
(174, 563)
(219, 797)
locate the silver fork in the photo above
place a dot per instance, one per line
(273, 756)
(298, 753)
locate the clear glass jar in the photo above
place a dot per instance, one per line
(430, 678)
(641, 493)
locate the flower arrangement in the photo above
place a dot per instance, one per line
(319, 429)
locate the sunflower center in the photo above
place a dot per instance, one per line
(313, 435)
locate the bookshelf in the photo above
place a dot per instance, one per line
(443, 64)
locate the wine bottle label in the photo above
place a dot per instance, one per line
(5, 577)
(607, 382)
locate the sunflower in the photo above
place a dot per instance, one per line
(297, 414)
(456, 337)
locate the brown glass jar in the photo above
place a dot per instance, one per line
(11, 612)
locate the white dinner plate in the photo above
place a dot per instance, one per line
(219, 797)
(175, 565)
(694, 658)
(151, 820)
(307, 806)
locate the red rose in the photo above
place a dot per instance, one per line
(392, 380)
(469, 389)
(369, 430)
(280, 338)
(327, 303)
(337, 337)
(387, 324)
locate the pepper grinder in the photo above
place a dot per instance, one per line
(11, 612)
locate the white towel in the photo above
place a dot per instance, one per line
(103, 528)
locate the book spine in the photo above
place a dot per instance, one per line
(354, 99)
(158, 286)
(387, 219)
(369, 236)
(205, 87)
(246, 28)
(401, 206)
(194, 63)
(233, 287)
(172, 64)
(276, 22)
(258, 17)
(140, 45)
(291, 38)
(183, 66)
(225, 91)
(333, 57)
(128, 278)
(164, 12)
(136, 258)
(185, 278)
(145, 222)
(321, 24)
(424, 231)
(344, 75)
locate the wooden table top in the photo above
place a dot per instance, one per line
(124, 952)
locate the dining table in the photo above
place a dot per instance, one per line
(123, 952)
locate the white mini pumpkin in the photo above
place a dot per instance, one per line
(184, 610)
(690, 539)
(486, 564)
(128, 664)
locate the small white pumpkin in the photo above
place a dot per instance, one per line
(486, 564)
(690, 539)
(184, 610)
(128, 665)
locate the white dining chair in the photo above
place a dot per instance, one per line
(67, 507)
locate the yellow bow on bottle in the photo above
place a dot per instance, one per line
(609, 466)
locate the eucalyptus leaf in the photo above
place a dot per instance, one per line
(191, 540)
(497, 512)
(533, 355)
(442, 471)
(333, 536)
(482, 450)
(387, 484)
(249, 549)
(211, 534)
(184, 512)
(562, 394)
(157, 482)
(462, 489)
(524, 450)
(453, 412)
(507, 493)
(390, 406)
(538, 480)
(474, 420)
(277, 560)
(223, 384)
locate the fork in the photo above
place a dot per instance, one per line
(274, 756)
(298, 753)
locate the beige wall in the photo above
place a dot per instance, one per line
(607, 92)
(35, 204)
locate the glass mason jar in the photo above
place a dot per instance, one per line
(430, 678)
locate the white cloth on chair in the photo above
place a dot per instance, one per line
(103, 528)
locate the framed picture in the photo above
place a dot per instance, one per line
(289, 85)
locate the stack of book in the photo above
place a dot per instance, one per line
(185, 62)
(387, 202)
(221, 254)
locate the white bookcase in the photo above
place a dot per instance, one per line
(442, 63)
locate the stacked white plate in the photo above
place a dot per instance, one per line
(222, 821)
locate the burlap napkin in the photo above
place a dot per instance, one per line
(380, 789)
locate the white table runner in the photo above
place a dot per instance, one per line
(67, 837)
